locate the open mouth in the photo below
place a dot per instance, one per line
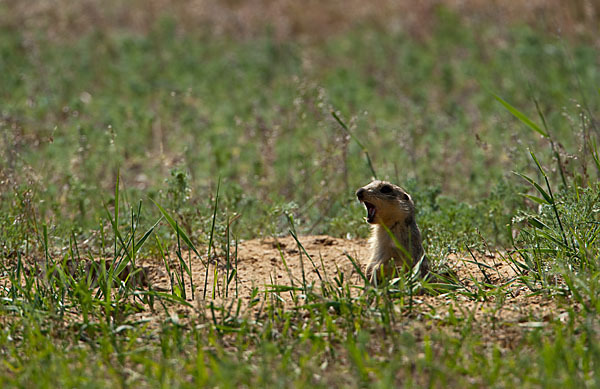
(371, 210)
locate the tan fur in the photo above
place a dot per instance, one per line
(394, 210)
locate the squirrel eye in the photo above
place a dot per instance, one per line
(386, 189)
(404, 196)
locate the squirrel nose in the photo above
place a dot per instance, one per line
(360, 193)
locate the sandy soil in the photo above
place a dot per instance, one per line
(260, 264)
(265, 262)
(502, 315)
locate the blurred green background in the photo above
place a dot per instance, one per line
(174, 97)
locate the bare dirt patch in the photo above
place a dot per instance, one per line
(262, 263)
(489, 295)
(507, 306)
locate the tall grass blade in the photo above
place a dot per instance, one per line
(178, 230)
(357, 268)
(551, 196)
(138, 245)
(552, 144)
(536, 199)
(116, 223)
(210, 240)
(307, 254)
(358, 142)
(524, 119)
(545, 194)
(182, 265)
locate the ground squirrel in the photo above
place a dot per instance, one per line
(390, 206)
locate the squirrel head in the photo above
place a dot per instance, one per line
(386, 203)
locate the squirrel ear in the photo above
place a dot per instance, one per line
(386, 189)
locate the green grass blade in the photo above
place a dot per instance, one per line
(116, 221)
(178, 230)
(540, 168)
(212, 234)
(358, 142)
(357, 268)
(536, 199)
(538, 223)
(307, 254)
(519, 115)
(545, 194)
(140, 243)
